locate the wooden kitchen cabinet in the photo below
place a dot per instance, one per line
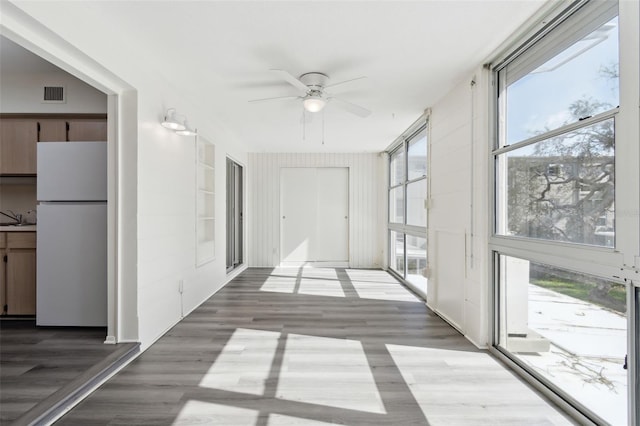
(18, 138)
(3, 271)
(52, 130)
(19, 273)
(20, 133)
(87, 130)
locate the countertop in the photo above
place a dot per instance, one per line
(21, 228)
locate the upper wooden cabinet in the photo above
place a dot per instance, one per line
(86, 130)
(52, 130)
(18, 139)
(19, 134)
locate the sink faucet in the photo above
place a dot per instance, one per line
(12, 215)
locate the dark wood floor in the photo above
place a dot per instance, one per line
(36, 362)
(313, 347)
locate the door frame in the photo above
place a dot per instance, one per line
(122, 125)
(229, 160)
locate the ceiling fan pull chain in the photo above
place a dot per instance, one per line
(322, 127)
(304, 125)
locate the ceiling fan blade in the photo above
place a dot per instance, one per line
(345, 81)
(274, 99)
(351, 107)
(292, 80)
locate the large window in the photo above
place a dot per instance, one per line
(407, 212)
(560, 308)
(557, 104)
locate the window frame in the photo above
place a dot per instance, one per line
(621, 263)
(419, 128)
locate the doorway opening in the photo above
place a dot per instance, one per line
(234, 215)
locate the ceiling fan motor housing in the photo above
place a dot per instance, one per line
(314, 80)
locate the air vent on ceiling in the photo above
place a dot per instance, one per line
(54, 94)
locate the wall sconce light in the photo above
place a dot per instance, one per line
(171, 120)
(187, 132)
(178, 123)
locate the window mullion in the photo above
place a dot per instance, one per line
(586, 122)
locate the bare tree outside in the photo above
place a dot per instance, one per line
(563, 189)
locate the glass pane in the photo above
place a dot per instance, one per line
(416, 194)
(417, 262)
(561, 188)
(396, 248)
(417, 158)
(570, 328)
(396, 205)
(397, 166)
(580, 81)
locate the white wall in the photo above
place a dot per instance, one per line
(166, 211)
(366, 206)
(458, 215)
(23, 93)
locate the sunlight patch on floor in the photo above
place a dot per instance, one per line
(199, 412)
(466, 387)
(279, 284)
(379, 285)
(245, 362)
(282, 420)
(328, 371)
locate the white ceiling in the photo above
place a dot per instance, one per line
(219, 54)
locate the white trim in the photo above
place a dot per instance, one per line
(415, 127)
(529, 32)
(628, 202)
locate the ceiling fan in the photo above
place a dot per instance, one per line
(312, 86)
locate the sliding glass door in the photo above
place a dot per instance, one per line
(234, 215)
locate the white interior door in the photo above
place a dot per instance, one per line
(314, 206)
(332, 226)
(298, 213)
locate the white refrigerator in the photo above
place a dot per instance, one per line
(71, 277)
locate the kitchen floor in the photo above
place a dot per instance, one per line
(36, 363)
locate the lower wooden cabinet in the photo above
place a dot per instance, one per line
(18, 273)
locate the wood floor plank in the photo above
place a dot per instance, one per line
(291, 346)
(39, 366)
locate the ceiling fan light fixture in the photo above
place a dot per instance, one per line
(314, 103)
(171, 121)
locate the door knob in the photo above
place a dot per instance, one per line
(283, 217)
